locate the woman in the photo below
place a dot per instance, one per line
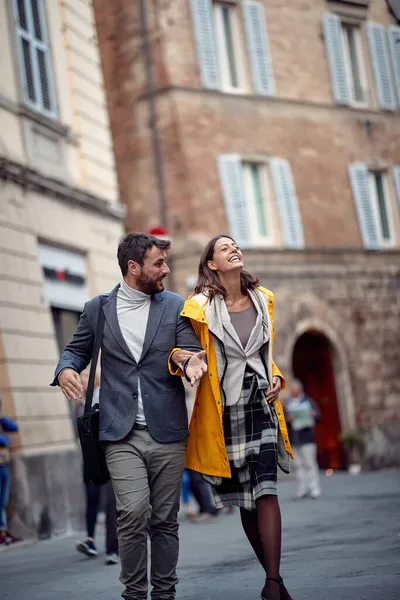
(238, 433)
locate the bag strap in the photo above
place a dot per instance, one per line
(95, 355)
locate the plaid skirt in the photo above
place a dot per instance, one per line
(251, 432)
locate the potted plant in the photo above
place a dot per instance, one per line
(354, 445)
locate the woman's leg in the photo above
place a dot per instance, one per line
(250, 527)
(270, 532)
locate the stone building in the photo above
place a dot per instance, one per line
(60, 220)
(278, 122)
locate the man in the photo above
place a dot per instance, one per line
(143, 415)
(301, 415)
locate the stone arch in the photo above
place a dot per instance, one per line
(309, 313)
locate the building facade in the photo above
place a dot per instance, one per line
(60, 221)
(277, 122)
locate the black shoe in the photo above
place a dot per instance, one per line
(87, 547)
(284, 594)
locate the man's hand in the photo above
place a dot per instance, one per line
(70, 384)
(273, 393)
(179, 356)
(196, 367)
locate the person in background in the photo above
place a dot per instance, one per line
(302, 414)
(202, 493)
(186, 493)
(93, 499)
(7, 425)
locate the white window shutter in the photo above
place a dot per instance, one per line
(396, 179)
(381, 66)
(336, 61)
(34, 53)
(359, 181)
(204, 32)
(394, 45)
(258, 48)
(231, 175)
(286, 199)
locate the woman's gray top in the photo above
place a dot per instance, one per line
(244, 322)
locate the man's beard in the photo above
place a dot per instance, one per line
(149, 286)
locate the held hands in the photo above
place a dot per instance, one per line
(273, 393)
(70, 384)
(196, 367)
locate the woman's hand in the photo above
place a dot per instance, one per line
(273, 393)
(179, 356)
(196, 367)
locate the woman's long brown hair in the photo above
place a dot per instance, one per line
(208, 281)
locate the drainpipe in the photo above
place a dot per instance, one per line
(158, 162)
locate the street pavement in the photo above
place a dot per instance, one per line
(345, 546)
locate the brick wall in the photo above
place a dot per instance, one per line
(301, 124)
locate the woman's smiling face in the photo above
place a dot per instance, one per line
(227, 256)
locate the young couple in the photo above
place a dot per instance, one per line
(222, 337)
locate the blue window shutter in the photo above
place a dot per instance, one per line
(231, 175)
(396, 179)
(286, 199)
(336, 61)
(358, 173)
(258, 48)
(381, 66)
(394, 45)
(204, 33)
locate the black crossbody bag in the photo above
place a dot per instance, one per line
(94, 461)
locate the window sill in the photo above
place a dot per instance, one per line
(45, 143)
(53, 125)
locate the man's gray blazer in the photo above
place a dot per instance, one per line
(163, 394)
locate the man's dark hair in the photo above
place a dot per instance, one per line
(134, 247)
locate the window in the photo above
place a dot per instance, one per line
(257, 201)
(65, 324)
(379, 198)
(221, 45)
(260, 202)
(34, 56)
(229, 47)
(351, 36)
(373, 205)
(344, 48)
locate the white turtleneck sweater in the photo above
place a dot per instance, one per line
(133, 313)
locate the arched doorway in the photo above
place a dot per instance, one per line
(313, 364)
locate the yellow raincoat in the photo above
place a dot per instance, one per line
(206, 450)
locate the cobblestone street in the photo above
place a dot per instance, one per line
(346, 546)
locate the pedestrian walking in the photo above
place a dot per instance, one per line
(202, 493)
(7, 425)
(94, 494)
(143, 415)
(238, 433)
(302, 414)
(186, 494)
